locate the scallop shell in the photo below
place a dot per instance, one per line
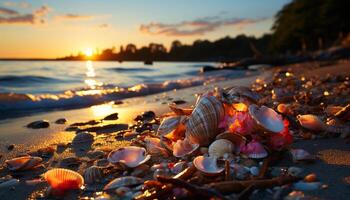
(184, 147)
(123, 182)
(23, 163)
(172, 127)
(221, 147)
(83, 137)
(93, 174)
(266, 118)
(207, 165)
(130, 156)
(64, 179)
(242, 94)
(254, 150)
(311, 122)
(301, 155)
(202, 125)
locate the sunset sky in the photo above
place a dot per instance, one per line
(56, 28)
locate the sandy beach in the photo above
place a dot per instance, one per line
(332, 164)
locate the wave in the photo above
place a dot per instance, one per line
(11, 79)
(122, 69)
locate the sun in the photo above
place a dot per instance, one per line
(88, 52)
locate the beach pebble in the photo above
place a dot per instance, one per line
(254, 171)
(38, 124)
(83, 137)
(118, 102)
(310, 178)
(113, 116)
(10, 147)
(61, 121)
(295, 171)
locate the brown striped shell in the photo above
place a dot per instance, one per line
(202, 125)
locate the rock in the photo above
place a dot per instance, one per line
(146, 116)
(113, 116)
(110, 128)
(118, 102)
(178, 102)
(11, 147)
(61, 121)
(38, 124)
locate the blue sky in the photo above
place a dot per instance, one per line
(59, 27)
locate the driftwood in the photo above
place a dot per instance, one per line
(238, 186)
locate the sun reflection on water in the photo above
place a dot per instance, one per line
(90, 73)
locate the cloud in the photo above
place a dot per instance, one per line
(17, 4)
(74, 17)
(196, 27)
(5, 11)
(37, 17)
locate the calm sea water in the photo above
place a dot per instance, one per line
(33, 85)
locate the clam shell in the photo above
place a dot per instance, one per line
(130, 156)
(311, 122)
(64, 179)
(23, 163)
(184, 147)
(93, 174)
(202, 125)
(207, 165)
(123, 182)
(301, 155)
(154, 146)
(220, 147)
(83, 137)
(266, 118)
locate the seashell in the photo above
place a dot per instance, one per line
(122, 191)
(70, 162)
(9, 183)
(159, 166)
(172, 127)
(180, 111)
(304, 186)
(93, 174)
(266, 119)
(125, 181)
(242, 94)
(161, 172)
(23, 163)
(301, 155)
(96, 154)
(140, 170)
(241, 172)
(101, 162)
(184, 147)
(254, 150)
(295, 195)
(83, 137)
(207, 165)
(236, 139)
(154, 146)
(130, 156)
(202, 125)
(311, 122)
(344, 113)
(254, 171)
(179, 167)
(220, 147)
(295, 171)
(64, 179)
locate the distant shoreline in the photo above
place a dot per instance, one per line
(57, 59)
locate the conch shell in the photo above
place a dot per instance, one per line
(64, 179)
(207, 165)
(184, 147)
(220, 147)
(130, 156)
(202, 125)
(266, 119)
(23, 163)
(311, 122)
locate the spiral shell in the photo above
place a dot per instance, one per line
(83, 137)
(207, 165)
(23, 163)
(93, 174)
(266, 119)
(202, 125)
(220, 147)
(123, 182)
(64, 179)
(130, 156)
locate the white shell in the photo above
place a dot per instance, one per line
(266, 118)
(130, 156)
(83, 137)
(184, 147)
(311, 122)
(123, 182)
(220, 147)
(93, 174)
(202, 125)
(23, 163)
(207, 165)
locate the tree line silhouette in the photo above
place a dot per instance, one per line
(300, 26)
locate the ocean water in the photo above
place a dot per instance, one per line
(31, 86)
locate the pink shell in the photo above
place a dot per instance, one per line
(184, 147)
(254, 149)
(131, 156)
(64, 179)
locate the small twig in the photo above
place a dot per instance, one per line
(227, 171)
(264, 167)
